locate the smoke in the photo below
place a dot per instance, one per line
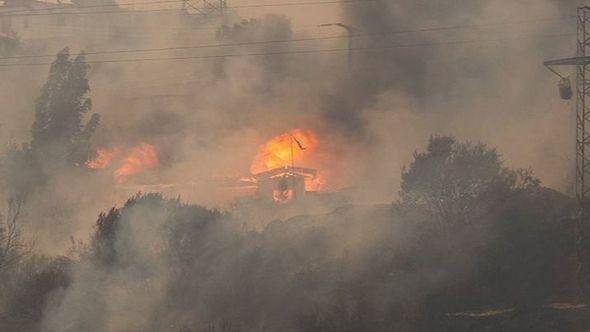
(484, 83)
(112, 299)
(417, 68)
(177, 266)
(207, 117)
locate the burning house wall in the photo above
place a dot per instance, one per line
(284, 184)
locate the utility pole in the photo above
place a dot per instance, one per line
(350, 30)
(582, 63)
(292, 168)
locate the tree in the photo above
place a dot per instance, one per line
(12, 249)
(58, 134)
(19, 175)
(452, 181)
(103, 241)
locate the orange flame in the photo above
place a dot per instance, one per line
(277, 151)
(316, 183)
(103, 159)
(141, 158)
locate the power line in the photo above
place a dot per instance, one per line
(358, 35)
(173, 48)
(303, 52)
(465, 26)
(175, 10)
(32, 10)
(203, 28)
(307, 3)
(299, 3)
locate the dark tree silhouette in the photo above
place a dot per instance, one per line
(451, 180)
(59, 136)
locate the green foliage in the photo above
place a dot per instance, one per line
(59, 136)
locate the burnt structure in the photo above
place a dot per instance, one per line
(283, 184)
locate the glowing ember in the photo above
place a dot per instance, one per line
(103, 159)
(141, 158)
(277, 152)
(317, 182)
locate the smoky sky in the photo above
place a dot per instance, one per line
(482, 82)
(467, 68)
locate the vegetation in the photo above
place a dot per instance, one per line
(58, 133)
(505, 243)
(59, 141)
(459, 182)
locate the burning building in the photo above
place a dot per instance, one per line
(274, 170)
(284, 183)
(274, 176)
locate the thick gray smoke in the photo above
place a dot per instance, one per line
(482, 83)
(472, 69)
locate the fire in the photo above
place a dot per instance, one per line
(277, 151)
(316, 183)
(137, 159)
(298, 147)
(103, 159)
(141, 158)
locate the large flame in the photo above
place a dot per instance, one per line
(141, 158)
(298, 147)
(137, 159)
(278, 150)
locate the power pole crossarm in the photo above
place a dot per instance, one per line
(574, 61)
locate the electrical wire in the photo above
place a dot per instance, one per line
(307, 3)
(32, 10)
(293, 52)
(357, 35)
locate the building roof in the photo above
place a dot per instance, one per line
(287, 170)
